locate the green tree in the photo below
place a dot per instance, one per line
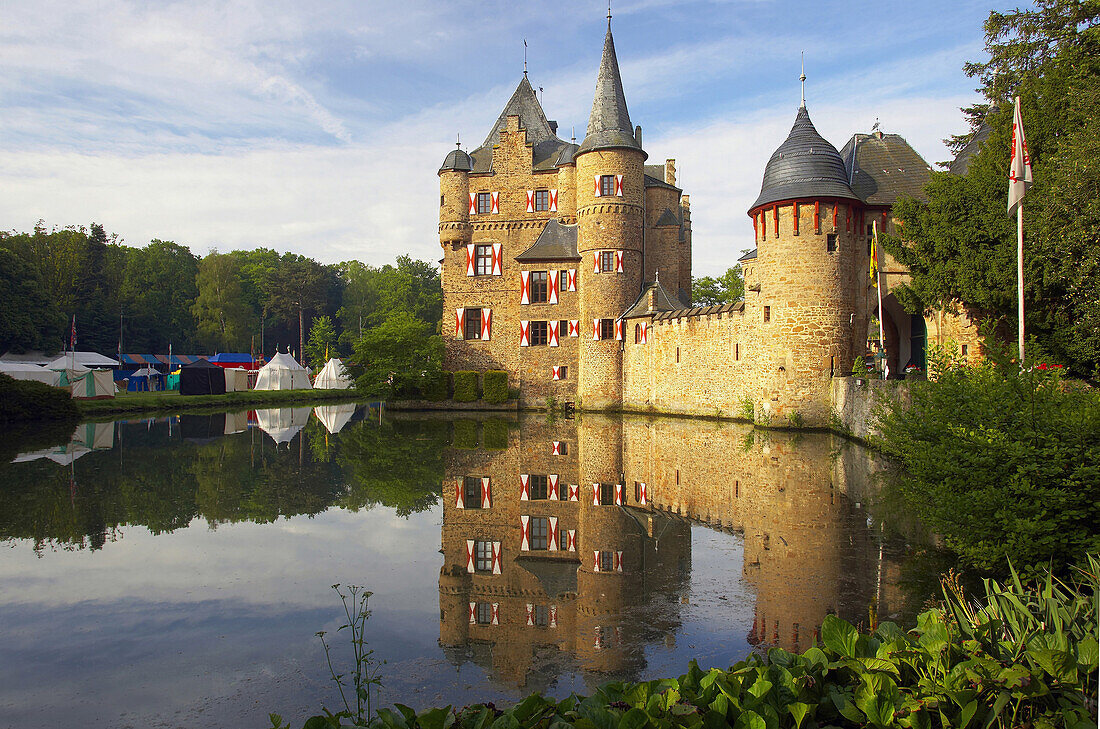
(29, 318)
(960, 246)
(400, 357)
(157, 296)
(220, 310)
(371, 294)
(294, 287)
(725, 289)
(322, 341)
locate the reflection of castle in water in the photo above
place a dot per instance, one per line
(572, 547)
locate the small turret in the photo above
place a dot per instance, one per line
(454, 195)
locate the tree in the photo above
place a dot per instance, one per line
(725, 289)
(29, 318)
(295, 287)
(371, 295)
(322, 340)
(157, 295)
(400, 357)
(960, 246)
(220, 311)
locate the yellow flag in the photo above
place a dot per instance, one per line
(873, 271)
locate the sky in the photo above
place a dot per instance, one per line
(318, 128)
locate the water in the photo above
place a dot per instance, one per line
(174, 572)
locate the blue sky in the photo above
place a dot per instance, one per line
(318, 127)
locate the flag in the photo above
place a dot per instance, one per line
(72, 336)
(873, 269)
(1019, 172)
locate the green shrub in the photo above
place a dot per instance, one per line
(465, 434)
(437, 388)
(494, 434)
(747, 408)
(795, 419)
(495, 386)
(1002, 461)
(465, 386)
(28, 400)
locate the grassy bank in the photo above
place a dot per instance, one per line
(172, 402)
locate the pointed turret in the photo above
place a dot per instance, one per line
(609, 123)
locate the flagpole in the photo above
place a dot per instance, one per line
(1020, 273)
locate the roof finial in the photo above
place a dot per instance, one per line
(657, 276)
(609, 14)
(573, 132)
(458, 141)
(525, 57)
(802, 78)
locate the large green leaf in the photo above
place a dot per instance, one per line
(839, 636)
(634, 719)
(799, 711)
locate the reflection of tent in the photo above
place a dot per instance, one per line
(282, 373)
(236, 422)
(236, 379)
(334, 417)
(144, 380)
(86, 438)
(282, 424)
(202, 428)
(23, 371)
(332, 377)
(202, 378)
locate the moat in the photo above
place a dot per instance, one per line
(174, 571)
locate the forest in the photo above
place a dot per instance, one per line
(160, 296)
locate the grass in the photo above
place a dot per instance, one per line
(171, 401)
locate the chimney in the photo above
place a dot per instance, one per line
(553, 127)
(670, 171)
(651, 297)
(638, 135)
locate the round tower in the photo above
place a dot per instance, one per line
(454, 198)
(610, 192)
(808, 265)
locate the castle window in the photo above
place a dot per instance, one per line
(440, 201)
(563, 284)
(677, 355)
(638, 333)
(767, 313)
(484, 203)
(537, 487)
(563, 330)
(542, 200)
(484, 615)
(563, 374)
(607, 494)
(473, 324)
(483, 260)
(964, 348)
(539, 287)
(607, 185)
(607, 328)
(563, 540)
(737, 350)
(830, 242)
(539, 333)
(538, 537)
(542, 616)
(607, 561)
(483, 557)
(607, 261)
(471, 492)
(869, 246)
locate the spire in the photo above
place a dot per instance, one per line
(609, 123)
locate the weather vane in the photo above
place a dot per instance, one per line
(524, 56)
(802, 78)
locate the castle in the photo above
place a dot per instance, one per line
(569, 267)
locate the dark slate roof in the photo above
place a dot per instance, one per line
(651, 181)
(737, 306)
(457, 160)
(609, 124)
(555, 242)
(566, 155)
(640, 307)
(961, 164)
(668, 218)
(547, 148)
(883, 167)
(750, 256)
(804, 166)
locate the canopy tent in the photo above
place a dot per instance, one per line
(89, 384)
(22, 371)
(145, 380)
(282, 373)
(236, 379)
(334, 417)
(202, 378)
(282, 424)
(333, 376)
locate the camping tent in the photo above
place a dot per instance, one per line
(236, 379)
(332, 377)
(334, 417)
(144, 380)
(202, 378)
(282, 373)
(21, 371)
(282, 424)
(86, 384)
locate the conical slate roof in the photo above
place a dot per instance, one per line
(804, 166)
(609, 124)
(526, 106)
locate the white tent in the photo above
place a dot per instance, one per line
(67, 363)
(332, 377)
(236, 379)
(282, 424)
(21, 371)
(282, 373)
(236, 422)
(334, 417)
(90, 384)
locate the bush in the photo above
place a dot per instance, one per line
(465, 386)
(465, 435)
(1002, 461)
(28, 400)
(494, 435)
(495, 386)
(438, 387)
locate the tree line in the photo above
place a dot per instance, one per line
(148, 299)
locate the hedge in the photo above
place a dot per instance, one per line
(494, 434)
(465, 434)
(495, 386)
(465, 389)
(439, 388)
(29, 400)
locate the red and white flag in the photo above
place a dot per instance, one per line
(1019, 173)
(72, 336)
